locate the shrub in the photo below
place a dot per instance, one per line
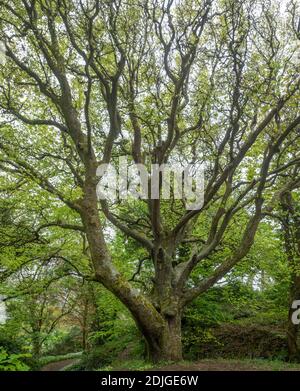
(63, 343)
(13, 362)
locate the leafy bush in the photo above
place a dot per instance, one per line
(64, 342)
(118, 340)
(8, 341)
(13, 362)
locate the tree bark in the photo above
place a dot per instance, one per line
(293, 329)
(36, 344)
(169, 346)
(291, 232)
(147, 318)
(158, 317)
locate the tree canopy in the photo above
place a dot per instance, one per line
(205, 82)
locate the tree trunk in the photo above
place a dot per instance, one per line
(291, 231)
(169, 346)
(158, 317)
(166, 299)
(36, 344)
(293, 329)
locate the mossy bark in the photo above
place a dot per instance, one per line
(159, 316)
(291, 233)
(293, 329)
(168, 347)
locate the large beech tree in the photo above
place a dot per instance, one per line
(212, 82)
(289, 217)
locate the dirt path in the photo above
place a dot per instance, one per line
(58, 365)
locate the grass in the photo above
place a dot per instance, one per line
(274, 365)
(132, 365)
(259, 363)
(255, 364)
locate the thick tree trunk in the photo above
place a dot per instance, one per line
(293, 329)
(291, 230)
(148, 319)
(158, 318)
(169, 346)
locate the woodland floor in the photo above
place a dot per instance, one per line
(227, 365)
(58, 365)
(203, 365)
(222, 366)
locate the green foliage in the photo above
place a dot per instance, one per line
(12, 362)
(120, 341)
(59, 357)
(7, 341)
(64, 342)
(187, 84)
(199, 318)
